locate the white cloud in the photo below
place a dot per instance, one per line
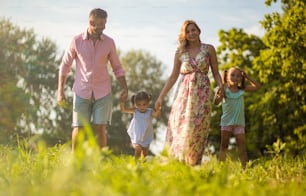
(256, 30)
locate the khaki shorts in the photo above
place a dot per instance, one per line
(98, 111)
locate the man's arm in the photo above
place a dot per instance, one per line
(124, 88)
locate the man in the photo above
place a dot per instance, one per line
(91, 51)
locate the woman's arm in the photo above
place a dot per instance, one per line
(214, 66)
(170, 82)
(218, 96)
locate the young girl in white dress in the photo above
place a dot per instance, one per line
(140, 129)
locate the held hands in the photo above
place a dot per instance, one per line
(158, 104)
(157, 108)
(124, 95)
(219, 95)
(221, 91)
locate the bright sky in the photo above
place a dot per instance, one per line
(152, 25)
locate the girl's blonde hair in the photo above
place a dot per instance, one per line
(224, 78)
(183, 42)
(141, 96)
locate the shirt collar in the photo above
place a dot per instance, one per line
(86, 36)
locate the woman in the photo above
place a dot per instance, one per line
(189, 118)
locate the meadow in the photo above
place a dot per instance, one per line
(40, 170)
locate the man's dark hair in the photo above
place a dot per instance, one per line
(98, 12)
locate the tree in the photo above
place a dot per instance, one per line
(238, 48)
(11, 95)
(28, 87)
(143, 72)
(282, 68)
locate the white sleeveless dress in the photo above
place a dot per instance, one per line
(140, 129)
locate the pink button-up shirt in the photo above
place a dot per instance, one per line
(92, 76)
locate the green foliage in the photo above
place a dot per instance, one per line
(276, 148)
(55, 171)
(282, 68)
(28, 87)
(297, 142)
(11, 95)
(238, 48)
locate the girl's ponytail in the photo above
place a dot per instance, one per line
(133, 99)
(224, 77)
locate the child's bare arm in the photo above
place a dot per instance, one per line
(125, 109)
(254, 84)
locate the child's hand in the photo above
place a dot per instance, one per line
(157, 113)
(243, 74)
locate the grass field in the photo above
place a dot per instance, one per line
(39, 170)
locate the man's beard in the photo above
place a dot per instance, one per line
(97, 34)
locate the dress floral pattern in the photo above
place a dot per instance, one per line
(189, 119)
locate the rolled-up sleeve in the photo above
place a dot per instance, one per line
(67, 60)
(115, 62)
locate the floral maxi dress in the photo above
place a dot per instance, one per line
(189, 119)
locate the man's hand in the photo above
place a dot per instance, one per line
(61, 101)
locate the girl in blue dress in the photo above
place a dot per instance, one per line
(233, 119)
(140, 128)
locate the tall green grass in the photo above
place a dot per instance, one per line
(40, 170)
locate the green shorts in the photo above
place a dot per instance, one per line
(98, 112)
